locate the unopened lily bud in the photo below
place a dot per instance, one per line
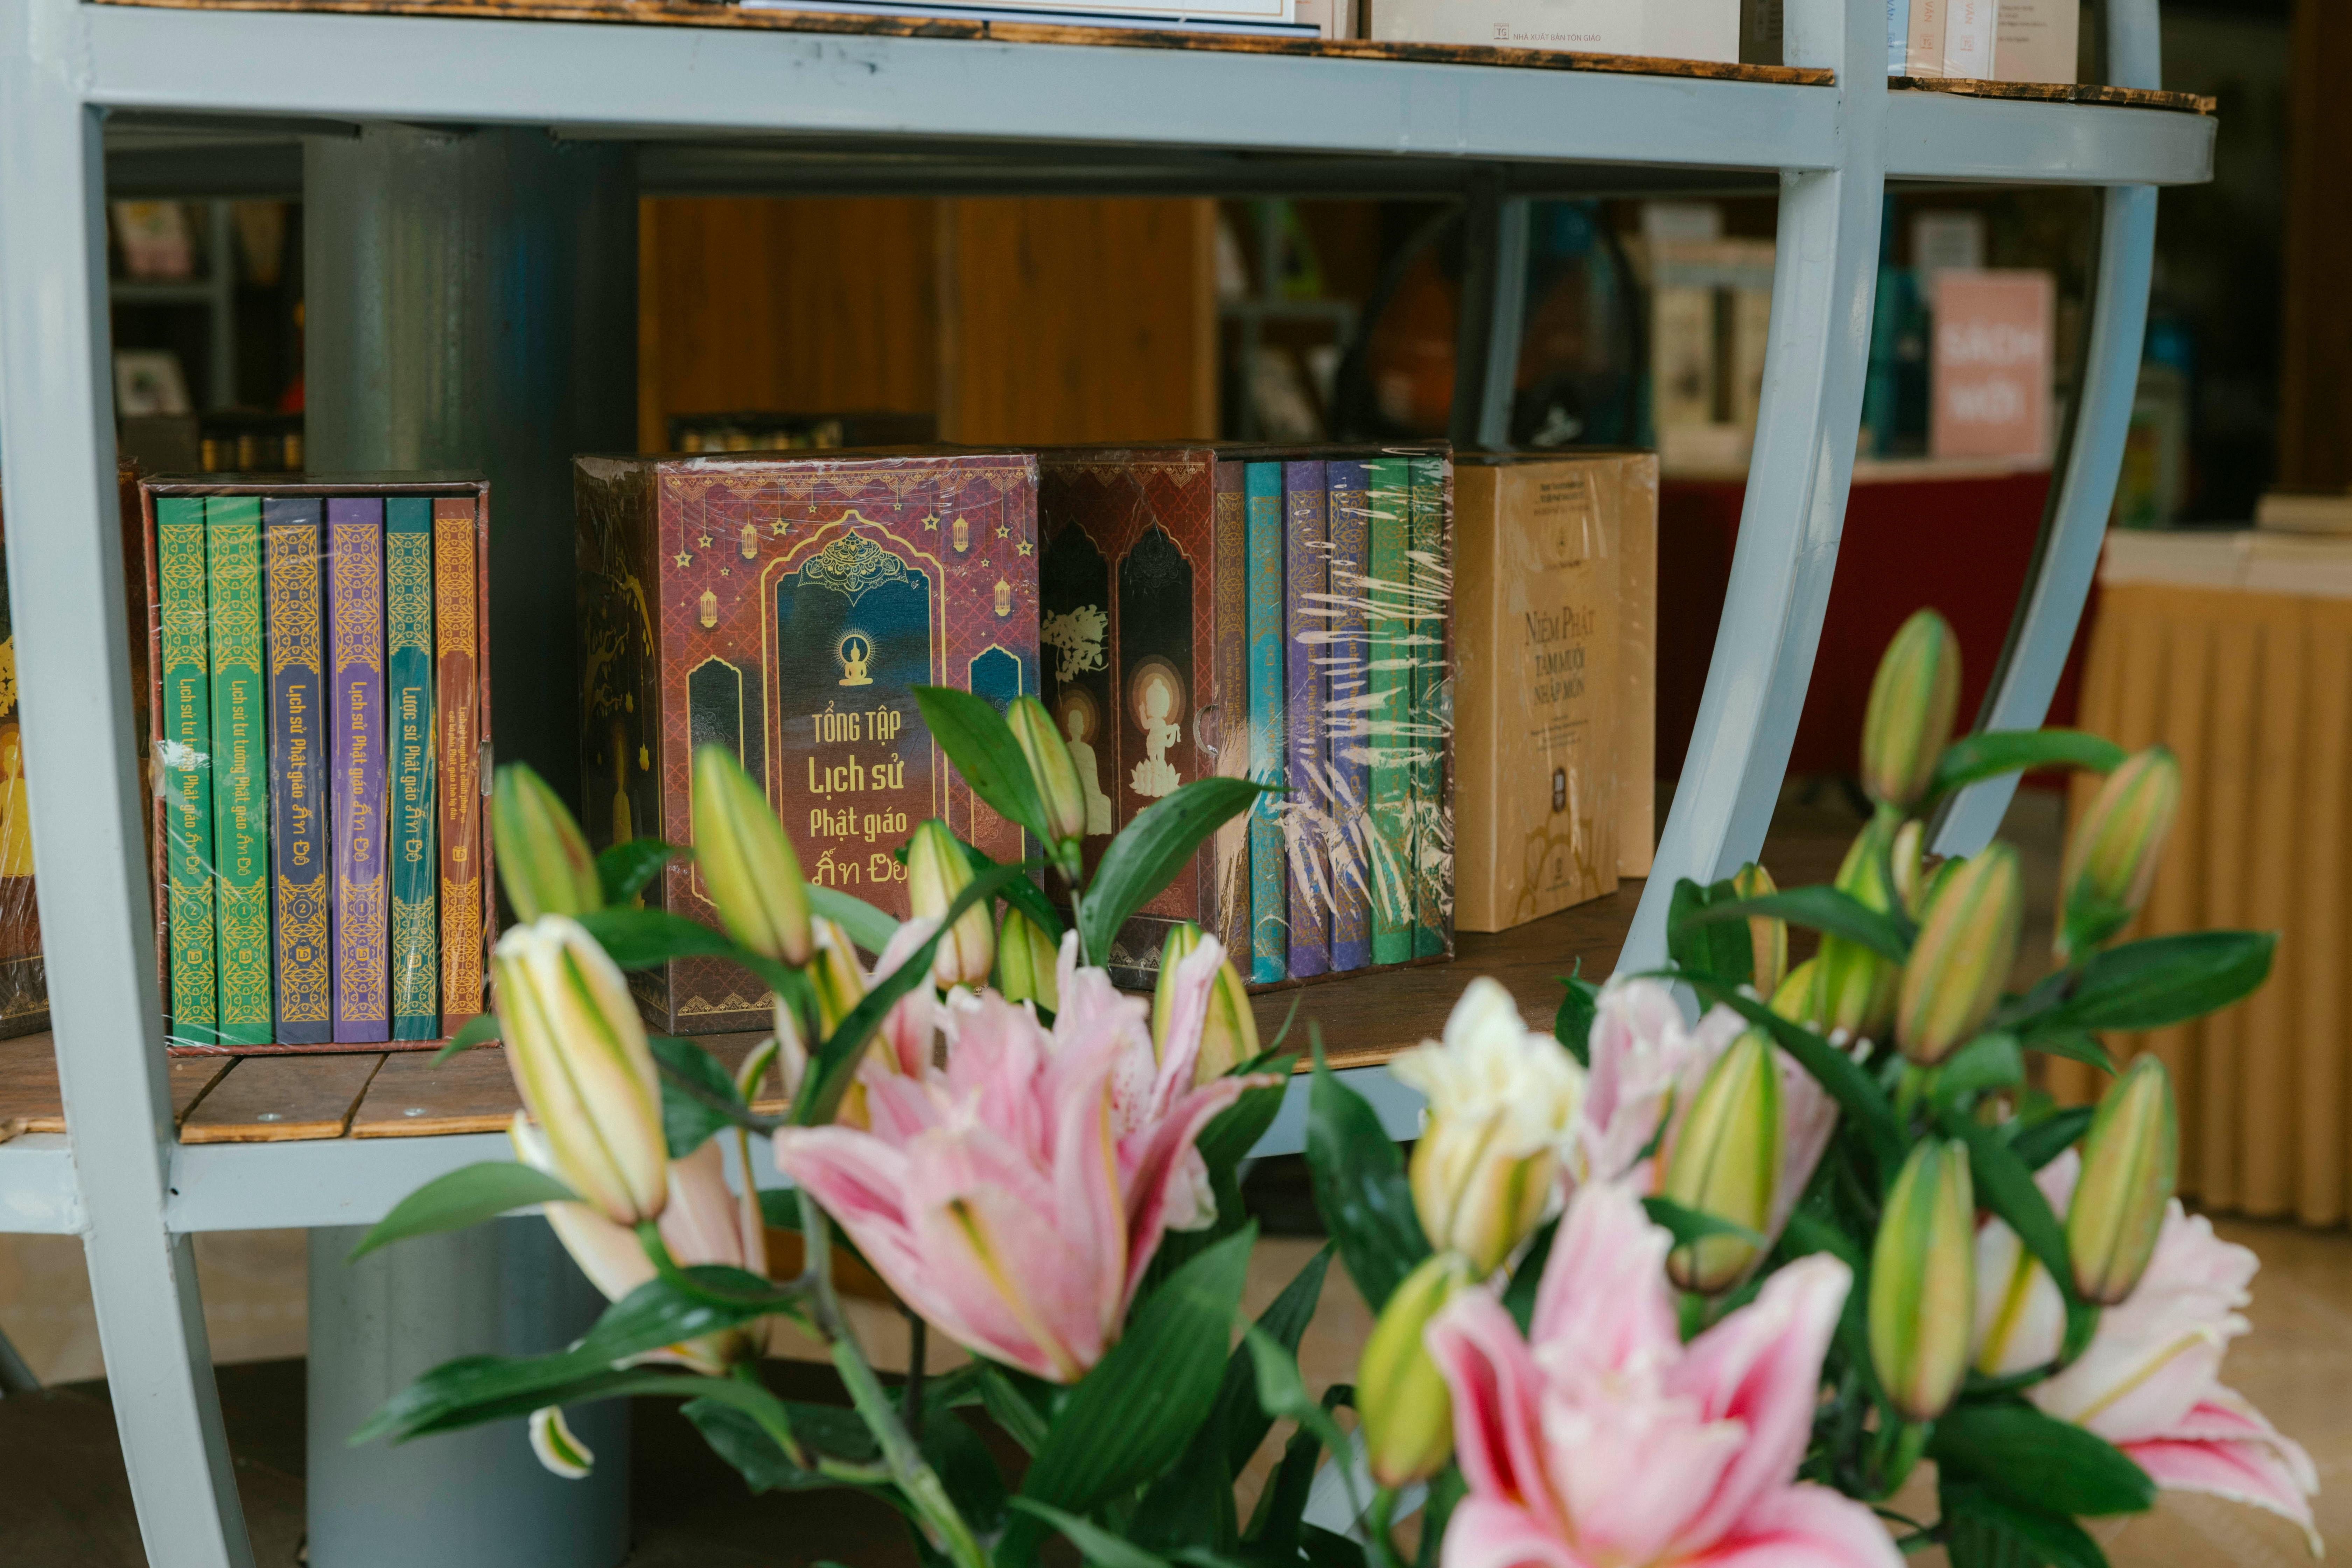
(578, 1052)
(1768, 939)
(833, 974)
(1025, 963)
(2112, 857)
(543, 862)
(1912, 702)
(1966, 949)
(1923, 1281)
(1228, 1032)
(562, 1453)
(1907, 866)
(746, 860)
(1725, 1162)
(1403, 1401)
(938, 870)
(1853, 985)
(1794, 998)
(2130, 1160)
(792, 1048)
(1054, 771)
(1503, 1106)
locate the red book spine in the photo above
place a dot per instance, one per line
(457, 756)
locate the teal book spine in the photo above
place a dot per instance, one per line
(1269, 954)
(241, 769)
(1307, 589)
(1387, 724)
(185, 751)
(1432, 878)
(408, 717)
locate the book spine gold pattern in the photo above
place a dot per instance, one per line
(355, 634)
(1229, 899)
(295, 557)
(1391, 691)
(241, 776)
(185, 754)
(457, 633)
(408, 716)
(1269, 876)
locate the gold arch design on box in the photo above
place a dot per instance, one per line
(772, 716)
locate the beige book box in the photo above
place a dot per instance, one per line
(1555, 698)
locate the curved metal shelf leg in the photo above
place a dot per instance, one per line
(74, 681)
(2066, 559)
(1824, 283)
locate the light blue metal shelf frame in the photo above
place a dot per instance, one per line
(740, 109)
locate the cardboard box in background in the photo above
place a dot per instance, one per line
(1554, 564)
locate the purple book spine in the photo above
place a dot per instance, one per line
(355, 623)
(1345, 731)
(1306, 569)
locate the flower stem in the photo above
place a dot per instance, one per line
(918, 1352)
(1379, 1545)
(1078, 923)
(942, 1525)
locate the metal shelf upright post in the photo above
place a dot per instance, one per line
(775, 107)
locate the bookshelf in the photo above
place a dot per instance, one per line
(665, 90)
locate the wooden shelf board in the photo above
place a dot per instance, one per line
(700, 14)
(1368, 1018)
(281, 1100)
(31, 1100)
(2061, 92)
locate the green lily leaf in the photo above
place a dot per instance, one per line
(1988, 753)
(1823, 908)
(623, 870)
(480, 1029)
(2040, 1462)
(465, 1196)
(2164, 980)
(1150, 851)
(979, 743)
(1361, 1188)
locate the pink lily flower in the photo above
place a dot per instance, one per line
(1016, 1197)
(703, 1222)
(1646, 1066)
(1602, 1441)
(2149, 1381)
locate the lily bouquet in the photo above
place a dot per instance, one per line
(1667, 1284)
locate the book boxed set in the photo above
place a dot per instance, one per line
(1556, 584)
(317, 659)
(785, 606)
(1282, 614)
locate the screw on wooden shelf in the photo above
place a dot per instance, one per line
(414, 1111)
(269, 1116)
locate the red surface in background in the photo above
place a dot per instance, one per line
(1959, 544)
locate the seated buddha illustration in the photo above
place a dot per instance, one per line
(857, 652)
(1157, 698)
(1077, 722)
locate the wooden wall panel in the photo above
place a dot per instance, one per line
(788, 305)
(1077, 320)
(2315, 400)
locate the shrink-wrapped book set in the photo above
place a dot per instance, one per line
(320, 702)
(1983, 41)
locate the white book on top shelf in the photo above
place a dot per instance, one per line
(1660, 29)
(1969, 34)
(1923, 53)
(1272, 16)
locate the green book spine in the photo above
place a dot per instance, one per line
(1389, 733)
(241, 769)
(408, 715)
(186, 757)
(1269, 957)
(1433, 846)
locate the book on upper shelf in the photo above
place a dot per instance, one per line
(1654, 30)
(785, 606)
(311, 657)
(1202, 616)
